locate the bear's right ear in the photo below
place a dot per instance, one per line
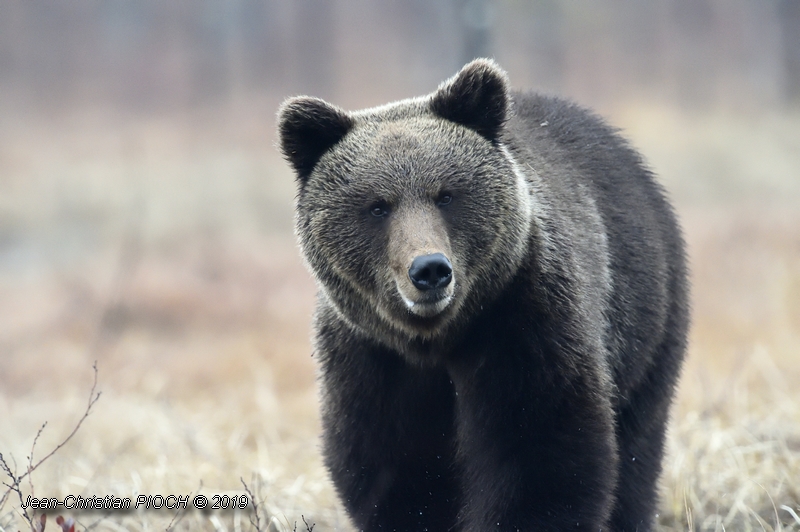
(308, 127)
(477, 98)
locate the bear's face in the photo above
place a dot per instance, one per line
(409, 215)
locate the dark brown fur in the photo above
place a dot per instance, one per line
(532, 392)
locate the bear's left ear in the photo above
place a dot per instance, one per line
(476, 97)
(308, 127)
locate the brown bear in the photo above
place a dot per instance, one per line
(502, 309)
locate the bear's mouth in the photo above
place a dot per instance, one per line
(430, 305)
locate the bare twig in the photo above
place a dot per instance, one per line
(30, 457)
(14, 487)
(93, 397)
(308, 528)
(16, 480)
(257, 523)
(8, 492)
(181, 513)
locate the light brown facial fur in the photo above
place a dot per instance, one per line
(417, 231)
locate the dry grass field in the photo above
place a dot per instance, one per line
(165, 253)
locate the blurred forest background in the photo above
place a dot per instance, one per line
(146, 224)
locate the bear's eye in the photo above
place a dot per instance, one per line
(379, 210)
(444, 199)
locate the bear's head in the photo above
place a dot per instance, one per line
(411, 215)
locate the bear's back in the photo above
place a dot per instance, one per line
(591, 167)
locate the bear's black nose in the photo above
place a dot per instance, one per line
(431, 271)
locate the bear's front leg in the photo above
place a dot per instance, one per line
(388, 435)
(536, 442)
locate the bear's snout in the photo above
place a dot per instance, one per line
(423, 266)
(429, 272)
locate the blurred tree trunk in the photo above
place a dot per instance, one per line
(790, 21)
(475, 22)
(546, 36)
(315, 45)
(697, 67)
